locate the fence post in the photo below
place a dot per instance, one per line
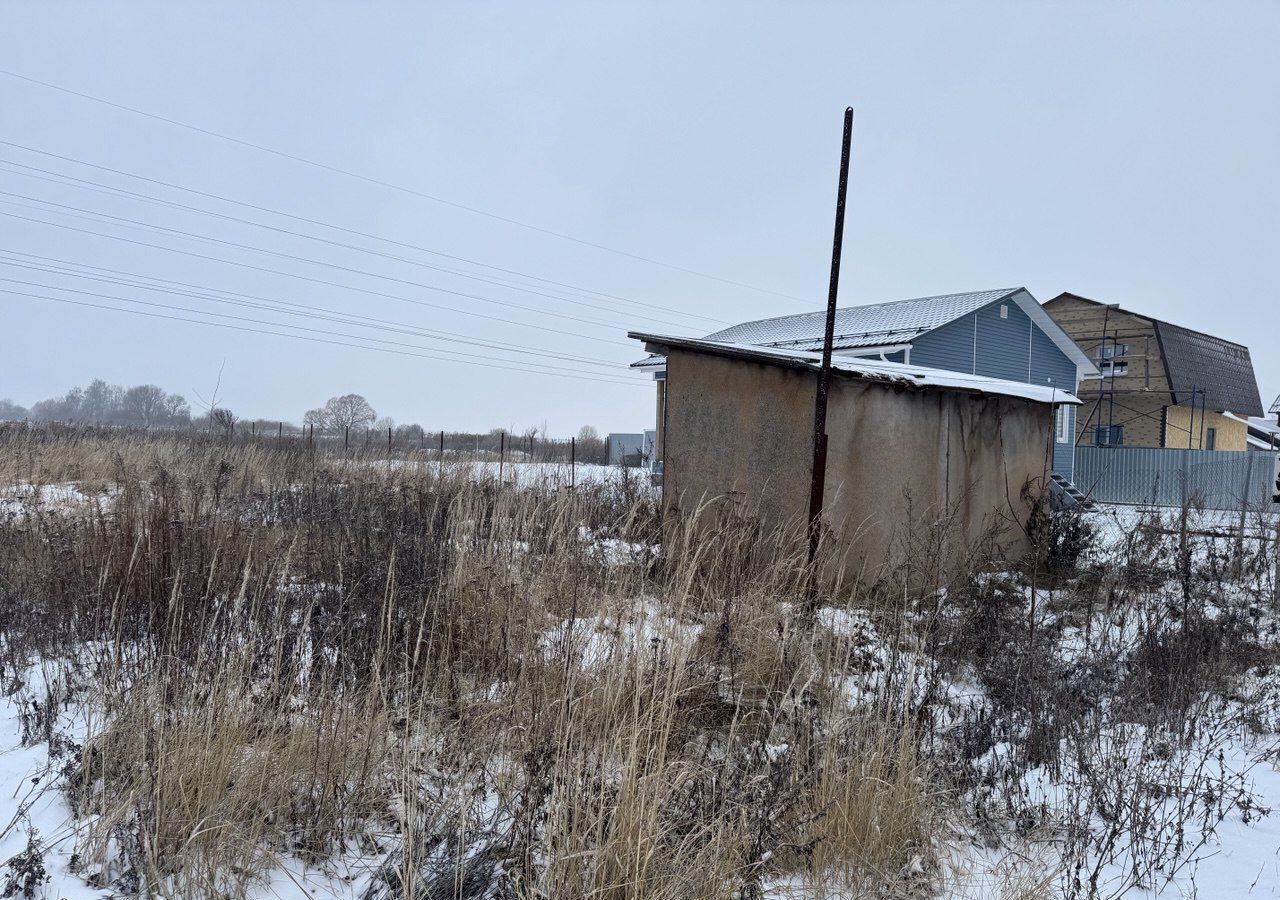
(573, 462)
(388, 441)
(1186, 475)
(442, 446)
(502, 453)
(1244, 509)
(1275, 578)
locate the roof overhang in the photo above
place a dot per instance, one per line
(1085, 367)
(898, 374)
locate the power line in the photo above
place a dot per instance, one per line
(258, 302)
(313, 280)
(537, 367)
(526, 370)
(396, 187)
(138, 223)
(318, 222)
(85, 184)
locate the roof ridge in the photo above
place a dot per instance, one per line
(999, 292)
(1152, 319)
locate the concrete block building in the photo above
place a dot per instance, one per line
(1003, 334)
(909, 447)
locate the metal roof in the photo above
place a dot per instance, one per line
(887, 324)
(1221, 369)
(862, 326)
(867, 369)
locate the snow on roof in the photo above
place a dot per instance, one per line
(862, 326)
(1263, 433)
(873, 370)
(887, 324)
(1256, 423)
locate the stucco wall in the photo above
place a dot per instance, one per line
(740, 432)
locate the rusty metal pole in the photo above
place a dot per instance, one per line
(819, 473)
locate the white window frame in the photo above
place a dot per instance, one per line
(1114, 368)
(1061, 425)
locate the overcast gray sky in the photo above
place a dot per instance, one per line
(1125, 152)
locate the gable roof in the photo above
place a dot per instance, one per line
(861, 326)
(1195, 361)
(887, 324)
(905, 374)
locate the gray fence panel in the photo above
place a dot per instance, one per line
(1218, 479)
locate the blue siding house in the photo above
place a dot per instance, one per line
(998, 334)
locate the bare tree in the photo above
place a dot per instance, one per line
(176, 409)
(347, 411)
(144, 404)
(223, 418)
(10, 411)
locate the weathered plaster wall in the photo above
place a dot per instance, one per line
(740, 432)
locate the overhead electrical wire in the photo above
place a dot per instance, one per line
(393, 186)
(489, 365)
(111, 191)
(313, 280)
(75, 270)
(351, 270)
(311, 221)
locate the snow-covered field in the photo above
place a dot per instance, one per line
(1130, 811)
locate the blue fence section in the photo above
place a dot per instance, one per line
(1216, 479)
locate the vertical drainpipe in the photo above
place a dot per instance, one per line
(975, 343)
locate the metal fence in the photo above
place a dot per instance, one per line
(1217, 479)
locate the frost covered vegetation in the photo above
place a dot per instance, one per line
(252, 670)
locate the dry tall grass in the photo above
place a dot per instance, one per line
(480, 690)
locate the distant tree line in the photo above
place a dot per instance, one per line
(148, 405)
(349, 416)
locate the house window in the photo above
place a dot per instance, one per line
(1108, 435)
(1109, 349)
(1061, 426)
(1109, 369)
(1211, 439)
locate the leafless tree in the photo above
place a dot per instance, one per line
(222, 418)
(347, 411)
(144, 404)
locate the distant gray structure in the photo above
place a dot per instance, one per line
(626, 449)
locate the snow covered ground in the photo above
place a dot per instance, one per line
(527, 473)
(1239, 858)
